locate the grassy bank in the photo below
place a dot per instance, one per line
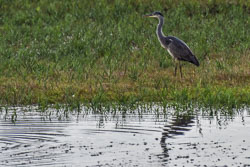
(74, 52)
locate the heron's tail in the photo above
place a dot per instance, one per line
(195, 61)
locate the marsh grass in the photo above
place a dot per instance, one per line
(105, 52)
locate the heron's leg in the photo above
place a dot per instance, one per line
(176, 66)
(175, 69)
(180, 68)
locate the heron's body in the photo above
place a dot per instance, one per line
(179, 50)
(175, 47)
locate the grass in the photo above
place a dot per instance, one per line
(105, 52)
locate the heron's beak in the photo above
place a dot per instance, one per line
(149, 15)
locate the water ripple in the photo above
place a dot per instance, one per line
(149, 139)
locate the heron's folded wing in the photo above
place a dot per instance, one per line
(181, 51)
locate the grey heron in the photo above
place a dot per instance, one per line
(175, 47)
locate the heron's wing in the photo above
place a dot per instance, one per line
(180, 50)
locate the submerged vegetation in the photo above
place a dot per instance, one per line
(92, 52)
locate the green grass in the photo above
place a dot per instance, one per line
(92, 52)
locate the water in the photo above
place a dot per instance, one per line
(133, 139)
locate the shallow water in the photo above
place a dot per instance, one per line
(133, 139)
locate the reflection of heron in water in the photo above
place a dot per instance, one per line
(179, 125)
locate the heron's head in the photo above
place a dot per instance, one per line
(154, 14)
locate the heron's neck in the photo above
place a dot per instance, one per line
(159, 32)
